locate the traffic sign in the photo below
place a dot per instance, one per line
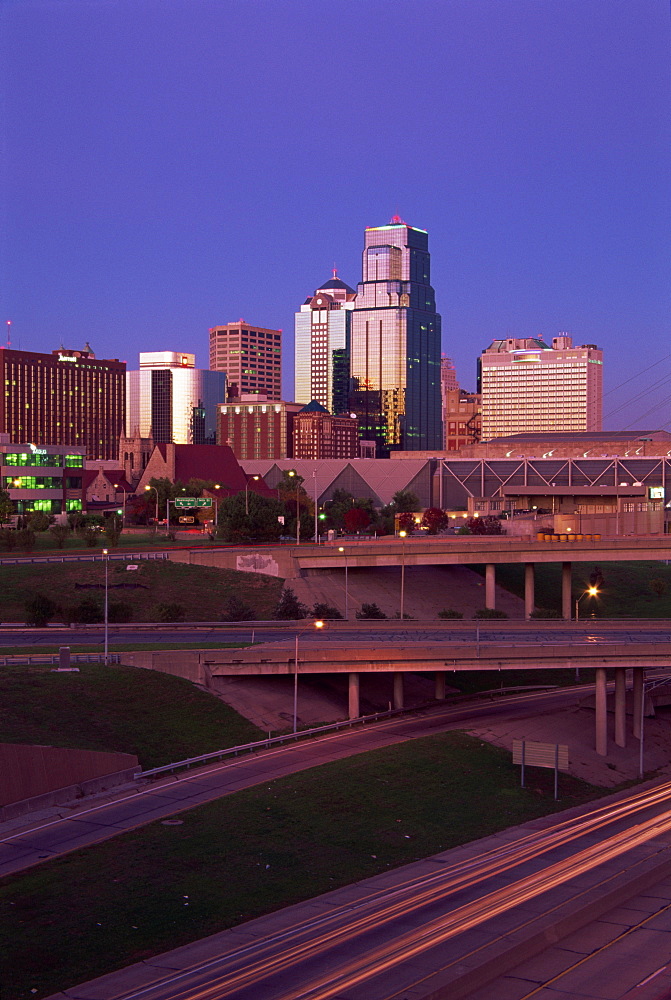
(193, 502)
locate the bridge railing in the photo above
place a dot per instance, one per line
(33, 659)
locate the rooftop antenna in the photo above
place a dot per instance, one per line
(335, 270)
(9, 333)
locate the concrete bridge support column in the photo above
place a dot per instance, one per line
(398, 690)
(601, 713)
(440, 685)
(490, 585)
(566, 590)
(353, 696)
(638, 697)
(529, 596)
(620, 707)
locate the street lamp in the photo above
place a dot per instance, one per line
(217, 486)
(156, 492)
(106, 558)
(317, 624)
(402, 534)
(590, 592)
(291, 474)
(123, 515)
(341, 549)
(247, 478)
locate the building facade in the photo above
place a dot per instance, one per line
(395, 342)
(528, 386)
(258, 428)
(319, 434)
(251, 356)
(48, 479)
(461, 418)
(69, 398)
(170, 400)
(322, 346)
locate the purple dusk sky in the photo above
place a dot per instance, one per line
(170, 165)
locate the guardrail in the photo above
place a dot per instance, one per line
(271, 741)
(37, 658)
(20, 560)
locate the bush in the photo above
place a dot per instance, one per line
(120, 611)
(289, 607)
(25, 539)
(89, 611)
(545, 613)
(449, 613)
(486, 613)
(91, 537)
(40, 610)
(8, 539)
(326, 612)
(39, 521)
(169, 612)
(60, 532)
(235, 610)
(370, 611)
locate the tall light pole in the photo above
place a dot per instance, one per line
(341, 549)
(106, 558)
(317, 624)
(314, 477)
(156, 492)
(402, 535)
(293, 473)
(217, 486)
(590, 592)
(247, 478)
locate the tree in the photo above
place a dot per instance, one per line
(326, 612)
(6, 507)
(484, 526)
(405, 501)
(406, 522)
(289, 607)
(370, 611)
(59, 532)
(40, 610)
(39, 521)
(25, 539)
(8, 539)
(235, 610)
(259, 525)
(112, 531)
(356, 519)
(89, 611)
(434, 519)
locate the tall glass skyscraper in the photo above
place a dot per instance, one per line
(395, 343)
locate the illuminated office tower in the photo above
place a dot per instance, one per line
(395, 343)
(529, 387)
(172, 401)
(68, 397)
(321, 346)
(251, 356)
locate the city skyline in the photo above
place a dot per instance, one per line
(166, 173)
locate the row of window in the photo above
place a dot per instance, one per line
(21, 459)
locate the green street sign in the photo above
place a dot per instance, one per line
(192, 502)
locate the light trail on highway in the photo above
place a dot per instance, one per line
(349, 939)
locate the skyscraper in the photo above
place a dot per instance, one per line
(395, 342)
(171, 400)
(529, 387)
(251, 356)
(322, 346)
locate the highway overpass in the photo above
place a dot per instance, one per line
(293, 561)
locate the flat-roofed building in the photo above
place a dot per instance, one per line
(318, 434)
(255, 427)
(68, 397)
(530, 386)
(48, 479)
(251, 356)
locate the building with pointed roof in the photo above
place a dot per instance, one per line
(322, 346)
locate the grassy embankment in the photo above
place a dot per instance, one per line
(200, 590)
(256, 851)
